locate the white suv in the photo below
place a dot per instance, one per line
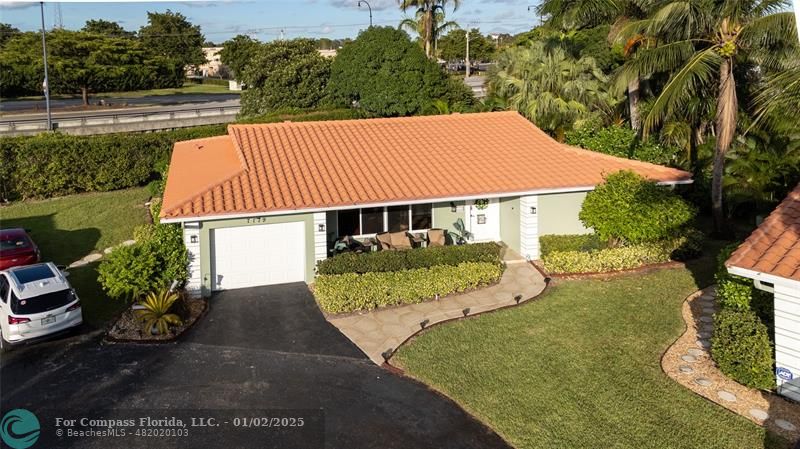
(35, 301)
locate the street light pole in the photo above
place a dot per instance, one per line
(46, 83)
(369, 8)
(467, 60)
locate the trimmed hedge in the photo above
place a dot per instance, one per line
(741, 348)
(388, 261)
(351, 292)
(571, 242)
(623, 257)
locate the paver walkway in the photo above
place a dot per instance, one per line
(689, 363)
(379, 333)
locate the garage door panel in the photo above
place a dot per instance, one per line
(256, 255)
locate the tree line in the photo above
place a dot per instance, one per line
(101, 57)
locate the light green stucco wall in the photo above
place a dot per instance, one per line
(509, 222)
(205, 241)
(444, 217)
(558, 213)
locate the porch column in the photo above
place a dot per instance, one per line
(191, 239)
(529, 226)
(320, 237)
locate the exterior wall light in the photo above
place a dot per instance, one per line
(533, 210)
(453, 207)
(193, 239)
(321, 227)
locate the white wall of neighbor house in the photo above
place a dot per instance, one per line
(529, 226)
(787, 339)
(191, 238)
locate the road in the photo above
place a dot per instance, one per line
(161, 100)
(215, 102)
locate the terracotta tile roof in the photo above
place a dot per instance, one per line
(774, 248)
(294, 166)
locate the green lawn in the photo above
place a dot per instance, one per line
(71, 227)
(580, 368)
(188, 88)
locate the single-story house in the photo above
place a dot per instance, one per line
(262, 204)
(771, 258)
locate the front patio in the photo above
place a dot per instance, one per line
(379, 333)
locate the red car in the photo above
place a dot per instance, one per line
(17, 248)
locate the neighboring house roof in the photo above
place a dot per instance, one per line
(774, 248)
(331, 164)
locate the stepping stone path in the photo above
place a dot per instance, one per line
(726, 396)
(759, 414)
(706, 319)
(705, 344)
(785, 425)
(707, 328)
(704, 334)
(685, 369)
(709, 310)
(689, 358)
(94, 257)
(696, 352)
(703, 382)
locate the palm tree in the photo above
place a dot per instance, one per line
(576, 14)
(702, 43)
(429, 14)
(553, 90)
(418, 26)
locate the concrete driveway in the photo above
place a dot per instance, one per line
(257, 349)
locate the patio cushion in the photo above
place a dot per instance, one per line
(400, 240)
(385, 240)
(436, 237)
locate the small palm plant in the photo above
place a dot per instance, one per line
(154, 313)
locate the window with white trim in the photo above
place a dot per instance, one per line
(373, 220)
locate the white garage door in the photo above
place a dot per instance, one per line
(250, 256)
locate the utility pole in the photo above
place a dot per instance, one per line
(370, 10)
(46, 83)
(467, 60)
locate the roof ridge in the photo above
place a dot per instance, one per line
(289, 122)
(233, 135)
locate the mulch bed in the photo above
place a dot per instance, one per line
(128, 329)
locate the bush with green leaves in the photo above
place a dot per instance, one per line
(627, 208)
(351, 292)
(604, 260)
(739, 293)
(386, 261)
(570, 242)
(155, 312)
(621, 141)
(156, 259)
(741, 348)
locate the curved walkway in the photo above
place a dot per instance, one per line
(379, 333)
(689, 363)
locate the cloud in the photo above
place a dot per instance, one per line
(17, 5)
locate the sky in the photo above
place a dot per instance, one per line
(223, 19)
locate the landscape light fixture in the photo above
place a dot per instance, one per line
(517, 298)
(465, 311)
(424, 323)
(369, 8)
(386, 354)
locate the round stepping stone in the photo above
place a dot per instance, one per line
(696, 352)
(685, 369)
(726, 396)
(702, 343)
(707, 297)
(92, 257)
(758, 414)
(689, 358)
(129, 242)
(709, 310)
(707, 328)
(706, 319)
(704, 334)
(703, 382)
(785, 425)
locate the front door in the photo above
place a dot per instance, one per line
(483, 219)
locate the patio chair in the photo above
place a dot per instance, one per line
(384, 240)
(437, 237)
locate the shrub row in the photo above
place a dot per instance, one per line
(351, 292)
(156, 259)
(387, 261)
(624, 257)
(572, 242)
(740, 344)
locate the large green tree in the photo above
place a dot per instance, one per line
(285, 74)
(429, 20)
(7, 32)
(555, 91)
(170, 34)
(238, 52)
(453, 46)
(385, 74)
(106, 28)
(702, 44)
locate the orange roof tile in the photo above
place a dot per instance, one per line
(313, 165)
(774, 248)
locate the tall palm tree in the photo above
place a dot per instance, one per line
(418, 26)
(701, 42)
(552, 89)
(428, 13)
